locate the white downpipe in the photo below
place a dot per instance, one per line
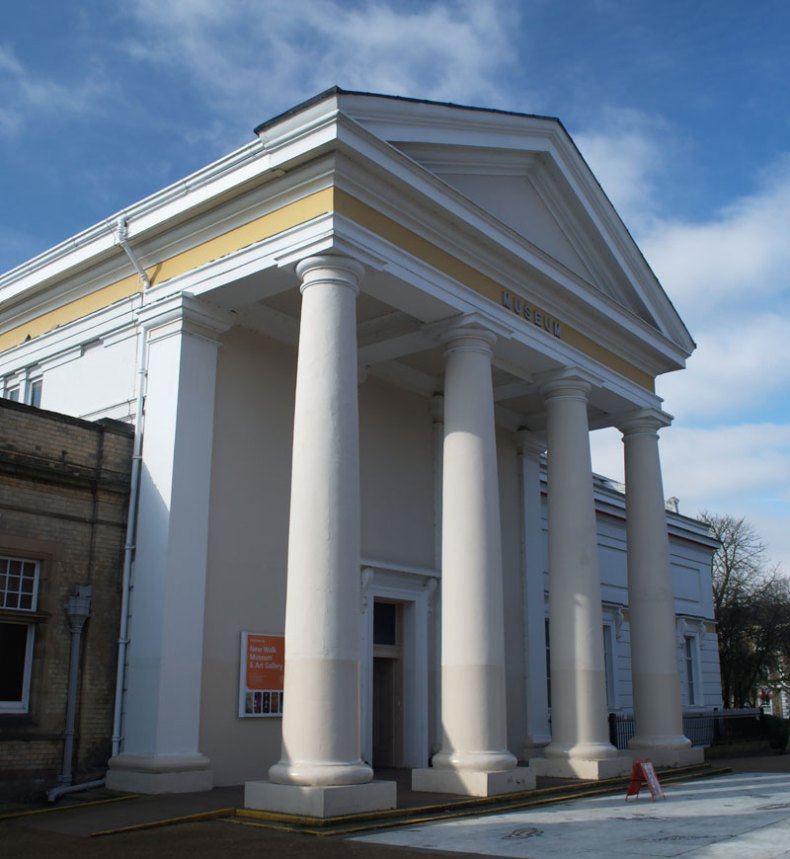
(122, 239)
(57, 792)
(131, 519)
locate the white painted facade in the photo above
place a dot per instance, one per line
(469, 300)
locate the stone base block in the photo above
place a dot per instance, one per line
(472, 782)
(582, 769)
(162, 774)
(324, 801)
(670, 757)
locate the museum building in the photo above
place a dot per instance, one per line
(363, 355)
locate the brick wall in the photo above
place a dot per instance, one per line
(64, 488)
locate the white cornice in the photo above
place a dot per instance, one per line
(210, 185)
(474, 236)
(396, 185)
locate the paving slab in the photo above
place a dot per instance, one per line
(737, 815)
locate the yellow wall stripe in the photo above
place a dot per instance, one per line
(268, 225)
(363, 214)
(76, 309)
(287, 217)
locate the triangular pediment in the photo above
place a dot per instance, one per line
(518, 189)
(525, 172)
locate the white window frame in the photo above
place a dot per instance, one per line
(35, 384)
(16, 616)
(610, 664)
(690, 634)
(19, 387)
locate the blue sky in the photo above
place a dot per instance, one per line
(681, 108)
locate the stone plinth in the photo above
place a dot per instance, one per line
(324, 801)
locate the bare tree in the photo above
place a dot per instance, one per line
(752, 603)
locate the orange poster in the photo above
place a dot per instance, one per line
(261, 680)
(265, 659)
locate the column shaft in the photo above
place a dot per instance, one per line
(321, 732)
(657, 707)
(473, 651)
(578, 684)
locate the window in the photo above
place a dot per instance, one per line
(385, 623)
(34, 393)
(608, 662)
(20, 388)
(690, 656)
(19, 580)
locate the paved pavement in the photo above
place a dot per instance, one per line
(743, 814)
(727, 817)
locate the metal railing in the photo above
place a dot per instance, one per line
(703, 728)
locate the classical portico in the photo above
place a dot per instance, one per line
(359, 336)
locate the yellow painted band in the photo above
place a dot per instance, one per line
(76, 309)
(289, 216)
(380, 224)
(268, 225)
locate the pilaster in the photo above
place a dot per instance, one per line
(161, 725)
(538, 731)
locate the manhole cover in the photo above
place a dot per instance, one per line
(524, 832)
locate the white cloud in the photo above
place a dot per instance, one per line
(23, 94)
(252, 56)
(742, 364)
(730, 463)
(628, 151)
(739, 256)
(743, 470)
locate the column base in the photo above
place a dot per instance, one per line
(328, 801)
(592, 770)
(160, 773)
(472, 782)
(534, 746)
(670, 757)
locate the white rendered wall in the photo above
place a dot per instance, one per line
(396, 474)
(248, 526)
(100, 382)
(248, 537)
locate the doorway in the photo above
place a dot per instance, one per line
(387, 684)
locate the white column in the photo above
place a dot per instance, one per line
(580, 734)
(538, 732)
(160, 748)
(474, 729)
(321, 737)
(321, 741)
(654, 663)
